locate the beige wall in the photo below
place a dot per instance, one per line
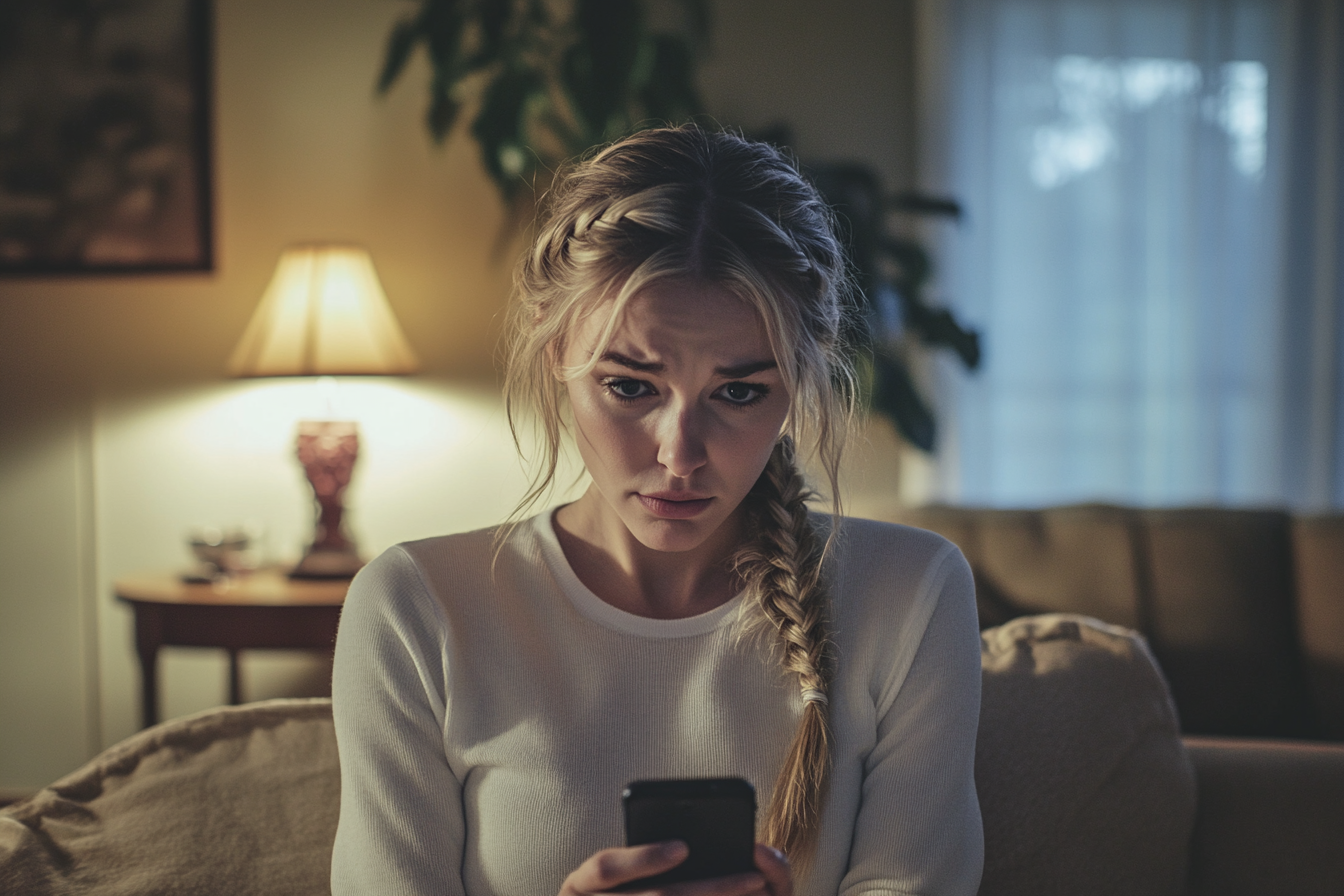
(117, 430)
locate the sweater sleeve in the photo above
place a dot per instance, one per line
(401, 825)
(919, 830)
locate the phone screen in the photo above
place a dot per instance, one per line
(715, 817)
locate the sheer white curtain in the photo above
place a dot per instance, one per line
(1152, 249)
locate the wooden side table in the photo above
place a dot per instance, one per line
(260, 610)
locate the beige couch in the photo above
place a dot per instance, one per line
(1244, 609)
(1085, 785)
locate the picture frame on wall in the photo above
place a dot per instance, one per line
(105, 140)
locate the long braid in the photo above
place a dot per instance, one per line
(782, 571)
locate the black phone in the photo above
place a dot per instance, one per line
(714, 817)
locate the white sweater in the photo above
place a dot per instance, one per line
(488, 719)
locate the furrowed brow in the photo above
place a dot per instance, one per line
(642, 366)
(741, 370)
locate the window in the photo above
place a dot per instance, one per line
(1127, 171)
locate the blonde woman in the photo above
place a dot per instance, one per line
(680, 318)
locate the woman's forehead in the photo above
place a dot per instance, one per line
(676, 317)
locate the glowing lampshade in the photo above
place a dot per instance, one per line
(324, 313)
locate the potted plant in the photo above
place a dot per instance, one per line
(893, 272)
(547, 82)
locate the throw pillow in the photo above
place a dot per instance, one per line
(1085, 785)
(239, 800)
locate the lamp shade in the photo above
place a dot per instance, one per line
(324, 313)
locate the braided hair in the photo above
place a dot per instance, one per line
(691, 204)
(781, 566)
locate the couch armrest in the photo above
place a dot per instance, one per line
(1270, 817)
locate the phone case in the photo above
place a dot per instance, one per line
(715, 817)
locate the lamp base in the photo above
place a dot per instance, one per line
(328, 449)
(327, 565)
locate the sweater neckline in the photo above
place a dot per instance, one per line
(604, 614)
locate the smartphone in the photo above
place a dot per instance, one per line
(715, 817)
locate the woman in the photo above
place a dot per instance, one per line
(681, 317)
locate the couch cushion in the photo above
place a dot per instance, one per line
(1318, 550)
(1084, 783)
(1211, 589)
(1057, 560)
(1271, 818)
(1223, 626)
(1084, 787)
(240, 800)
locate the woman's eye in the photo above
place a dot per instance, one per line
(744, 393)
(627, 389)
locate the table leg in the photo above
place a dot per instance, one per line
(235, 680)
(148, 637)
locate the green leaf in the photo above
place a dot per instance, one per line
(538, 14)
(668, 93)
(937, 326)
(494, 19)
(894, 395)
(910, 258)
(442, 113)
(923, 204)
(599, 67)
(854, 192)
(443, 24)
(399, 46)
(500, 126)
(577, 72)
(576, 79)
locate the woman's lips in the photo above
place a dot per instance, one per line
(670, 508)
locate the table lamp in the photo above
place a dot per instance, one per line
(325, 314)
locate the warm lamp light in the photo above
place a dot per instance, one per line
(325, 314)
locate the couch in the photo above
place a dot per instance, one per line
(1244, 609)
(1085, 784)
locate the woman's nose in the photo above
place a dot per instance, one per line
(681, 443)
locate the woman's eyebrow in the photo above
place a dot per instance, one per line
(747, 369)
(643, 366)
(733, 372)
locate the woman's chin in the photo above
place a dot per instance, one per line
(671, 536)
(675, 536)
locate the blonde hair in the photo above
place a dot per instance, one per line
(690, 204)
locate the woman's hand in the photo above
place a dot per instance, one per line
(613, 867)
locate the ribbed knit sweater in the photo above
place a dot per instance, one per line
(490, 711)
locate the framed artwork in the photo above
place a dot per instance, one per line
(105, 136)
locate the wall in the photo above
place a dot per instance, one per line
(118, 431)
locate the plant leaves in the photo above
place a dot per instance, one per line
(855, 193)
(576, 79)
(937, 326)
(668, 93)
(442, 113)
(538, 14)
(400, 43)
(923, 204)
(598, 68)
(500, 127)
(546, 79)
(910, 259)
(443, 26)
(894, 394)
(494, 20)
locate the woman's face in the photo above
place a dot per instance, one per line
(677, 419)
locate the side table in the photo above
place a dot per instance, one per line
(260, 610)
